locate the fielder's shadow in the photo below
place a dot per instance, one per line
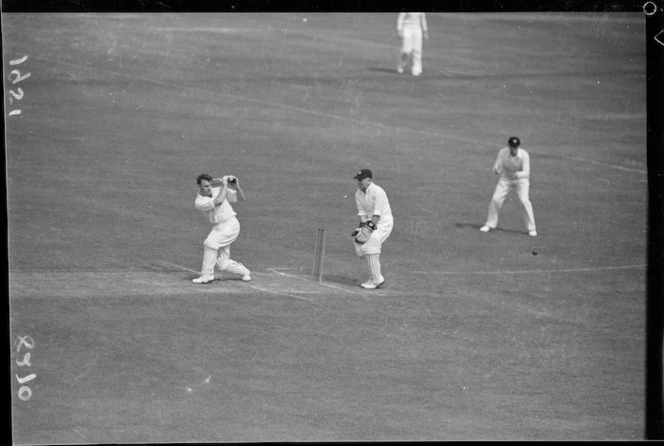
(475, 226)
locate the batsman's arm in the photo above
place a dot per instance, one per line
(216, 182)
(219, 199)
(240, 192)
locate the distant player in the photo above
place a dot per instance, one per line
(214, 202)
(373, 210)
(513, 166)
(411, 27)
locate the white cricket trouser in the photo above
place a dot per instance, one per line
(217, 249)
(411, 46)
(503, 188)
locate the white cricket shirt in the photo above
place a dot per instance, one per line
(513, 167)
(411, 19)
(373, 202)
(217, 214)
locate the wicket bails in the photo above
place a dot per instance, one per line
(318, 256)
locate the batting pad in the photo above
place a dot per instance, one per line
(209, 257)
(225, 263)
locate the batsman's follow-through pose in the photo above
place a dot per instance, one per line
(213, 199)
(513, 166)
(376, 223)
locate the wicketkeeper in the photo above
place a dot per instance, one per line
(375, 225)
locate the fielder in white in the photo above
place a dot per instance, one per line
(513, 166)
(411, 27)
(372, 205)
(213, 200)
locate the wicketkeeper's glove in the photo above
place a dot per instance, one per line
(362, 234)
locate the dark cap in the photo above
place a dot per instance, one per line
(514, 141)
(362, 174)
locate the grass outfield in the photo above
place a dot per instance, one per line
(473, 337)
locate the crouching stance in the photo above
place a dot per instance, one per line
(213, 200)
(375, 214)
(513, 166)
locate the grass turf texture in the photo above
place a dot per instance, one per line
(472, 336)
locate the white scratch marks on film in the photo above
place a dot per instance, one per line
(80, 434)
(424, 209)
(87, 367)
(206, 381)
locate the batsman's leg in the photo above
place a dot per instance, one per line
(225, 263)
(207, 269)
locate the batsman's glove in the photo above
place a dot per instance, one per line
(230, 180)
(362, 234)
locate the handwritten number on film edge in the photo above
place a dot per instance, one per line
(18, 94)
(24, 392)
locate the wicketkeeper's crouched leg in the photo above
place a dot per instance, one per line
(372, 246)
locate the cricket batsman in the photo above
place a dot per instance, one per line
(214, 200)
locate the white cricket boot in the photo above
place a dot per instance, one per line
(373, 284)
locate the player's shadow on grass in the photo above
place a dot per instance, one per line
(384, 70)
(341, 280)
(475, 226)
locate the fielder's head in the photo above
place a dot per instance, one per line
(364, 178)
(513, 144)
(204, 184)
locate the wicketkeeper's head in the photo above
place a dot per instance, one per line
(362, 174)
(514, 142)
